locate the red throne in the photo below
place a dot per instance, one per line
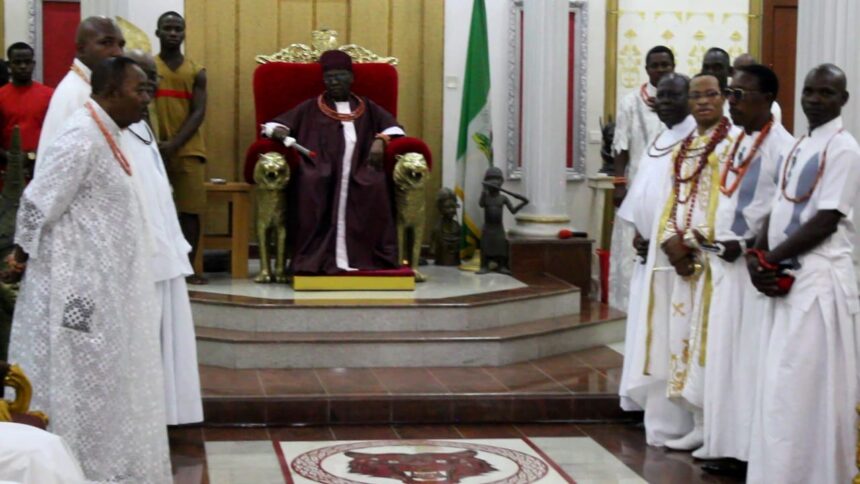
(280, 86)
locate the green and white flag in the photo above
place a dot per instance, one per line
(474, 146)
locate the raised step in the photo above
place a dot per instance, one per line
(580, 386)
(488, 346)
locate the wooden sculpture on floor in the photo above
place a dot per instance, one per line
(494, 240)
(446, 236)
(410, 176)
(271, 174)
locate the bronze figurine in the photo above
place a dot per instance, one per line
(494, 240)
(447, 234)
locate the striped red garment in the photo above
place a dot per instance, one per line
(173, 93)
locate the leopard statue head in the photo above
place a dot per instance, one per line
(410, 171)
(272, 171)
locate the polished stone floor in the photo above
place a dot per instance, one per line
(443, 282)
(583, 453)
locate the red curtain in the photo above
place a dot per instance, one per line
(59, 22)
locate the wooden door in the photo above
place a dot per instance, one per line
(779, 51)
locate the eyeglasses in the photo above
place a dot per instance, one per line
(737, 93)
(695, 95)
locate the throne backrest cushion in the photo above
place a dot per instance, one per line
(280, 86)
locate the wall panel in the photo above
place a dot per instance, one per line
(226, 35)
(333, 15)
(257, 34)
(369, 24)
(296, 21)
(433, 47)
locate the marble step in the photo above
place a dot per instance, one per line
(578, 386)
(502, 345)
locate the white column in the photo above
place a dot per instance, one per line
(826, 32)
(544, 68)
(104, 8)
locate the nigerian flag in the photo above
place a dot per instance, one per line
(474, 146)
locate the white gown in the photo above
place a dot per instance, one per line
(672, 345)
(32, 456)
(69, 96)
(85, 329)
(170, 265)
(804, 421)
(735, 318)
(664, 420)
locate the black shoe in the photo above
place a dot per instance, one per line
(726, 467)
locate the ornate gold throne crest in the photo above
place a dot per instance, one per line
(321, 41)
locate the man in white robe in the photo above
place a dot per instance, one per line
(636, 125)
(804, 421)
(748, 184)
(664, 420)
(170, 266)
(680, 286)
(85, 328)
(97, 39)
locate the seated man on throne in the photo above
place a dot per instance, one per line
(342, 202)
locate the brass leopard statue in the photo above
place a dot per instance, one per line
(271, 174)
(410, 176)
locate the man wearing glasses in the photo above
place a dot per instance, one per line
(682, 275)
(747, 188)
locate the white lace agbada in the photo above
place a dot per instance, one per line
(84, 327)
(636, 126)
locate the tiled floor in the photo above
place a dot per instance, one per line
(592, 453)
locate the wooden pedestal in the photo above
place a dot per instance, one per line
(568, 259)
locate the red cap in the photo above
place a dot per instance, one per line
(335, 59)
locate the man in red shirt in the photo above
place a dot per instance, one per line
(23, 102)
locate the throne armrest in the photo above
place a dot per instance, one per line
(397, 146)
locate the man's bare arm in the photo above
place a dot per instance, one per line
(809, 236)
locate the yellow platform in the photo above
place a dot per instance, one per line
(353, 283)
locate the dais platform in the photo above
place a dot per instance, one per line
(454, 319)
